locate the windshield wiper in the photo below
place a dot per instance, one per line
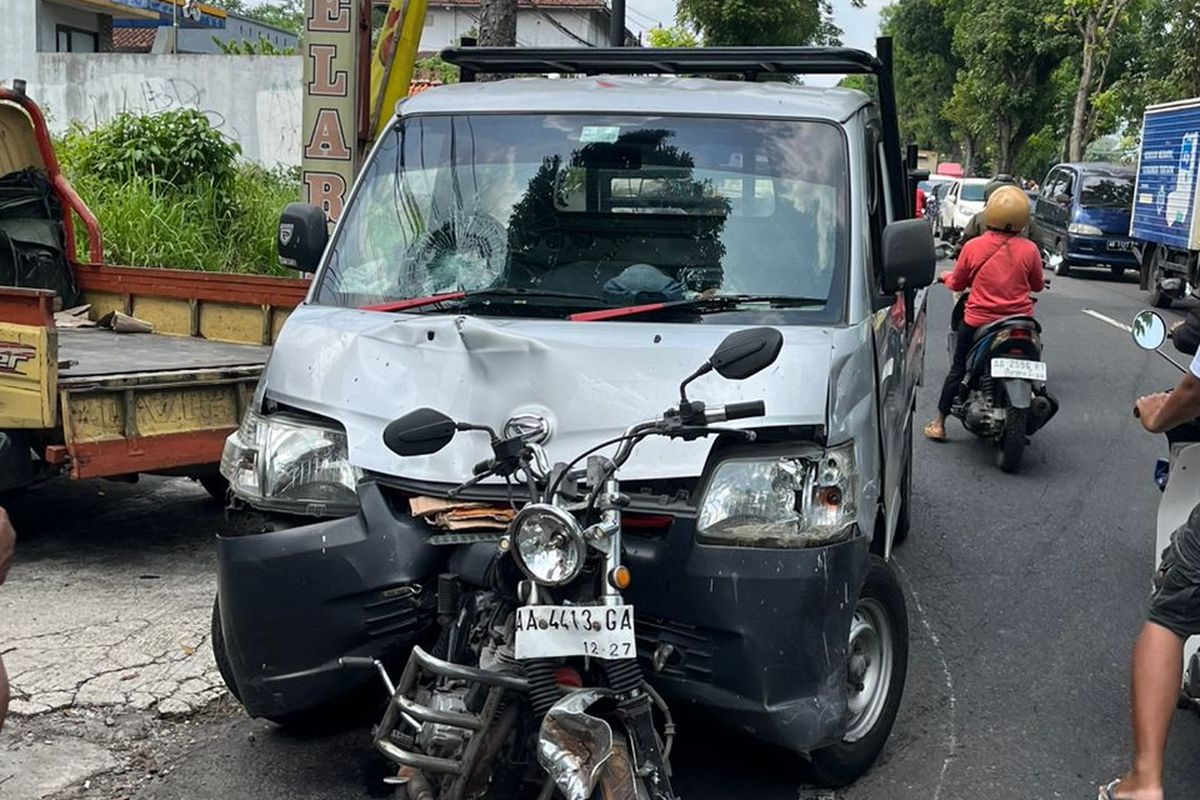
(701, 305)
(483, 295)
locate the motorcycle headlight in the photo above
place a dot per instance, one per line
(547, 544)
(1083, 229)
(291, 464)
(803, 500)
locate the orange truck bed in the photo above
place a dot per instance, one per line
(94, 403)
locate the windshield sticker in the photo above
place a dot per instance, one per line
(600, 133)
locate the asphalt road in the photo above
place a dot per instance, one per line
(1025, 594)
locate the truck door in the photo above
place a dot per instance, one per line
(899, 350)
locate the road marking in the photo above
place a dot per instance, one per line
(951, 741)
(1109, 320)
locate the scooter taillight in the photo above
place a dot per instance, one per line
(1020, 333)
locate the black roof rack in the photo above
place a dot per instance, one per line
(750, 63)
(745, 61)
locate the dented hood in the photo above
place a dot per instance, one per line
(590, 380)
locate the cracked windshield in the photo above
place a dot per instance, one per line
(579, 212)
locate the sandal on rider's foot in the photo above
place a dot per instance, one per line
(1109, 792)
(932, 431)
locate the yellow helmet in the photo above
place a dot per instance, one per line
(1007, 210)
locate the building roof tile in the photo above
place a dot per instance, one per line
(133, 40)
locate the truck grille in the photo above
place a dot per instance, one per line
(692, 659)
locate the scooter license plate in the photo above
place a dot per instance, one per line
(1018, 368)
(557, 631)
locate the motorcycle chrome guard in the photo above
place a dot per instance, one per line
(575, 747)
(403, 709)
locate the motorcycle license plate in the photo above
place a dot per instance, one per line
(557, 631)
(1018, 368)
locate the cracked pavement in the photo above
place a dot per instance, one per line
(107, 608)
(108, 602)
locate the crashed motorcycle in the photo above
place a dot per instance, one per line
(533, 686)
(1003, 396)
(1180, 495)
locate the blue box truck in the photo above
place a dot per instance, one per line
(1165, 224)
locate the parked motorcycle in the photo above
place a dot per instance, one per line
(534, 686)
(1003, 396)
(1180, 495)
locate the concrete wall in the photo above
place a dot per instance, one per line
(254, 100)
(445, 26)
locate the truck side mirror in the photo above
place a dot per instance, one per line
(303, 234)
(909, 257)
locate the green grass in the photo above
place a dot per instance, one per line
(146, 222)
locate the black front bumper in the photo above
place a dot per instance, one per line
(294, 601)
(757, 636)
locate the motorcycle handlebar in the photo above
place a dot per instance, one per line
(732, 411)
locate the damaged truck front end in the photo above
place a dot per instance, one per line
(545, 272)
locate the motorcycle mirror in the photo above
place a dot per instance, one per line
(745, 353)
(419, 433)
(1149, 330)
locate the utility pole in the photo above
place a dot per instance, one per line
(616, 31)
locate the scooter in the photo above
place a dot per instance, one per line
(1003, 397)
(1179, 479)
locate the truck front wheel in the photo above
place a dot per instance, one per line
(877, 664)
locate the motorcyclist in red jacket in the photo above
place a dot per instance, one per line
(1001, 268)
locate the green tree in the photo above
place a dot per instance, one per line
(925, 69)
(863, 83)
(1010, 52)
(1097, 24)
(675, 36)
(1163, 62)
(723, 23)
(285, 14)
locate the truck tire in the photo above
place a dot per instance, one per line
(216, 486)
(1012, 440)
(1158, 298)
(878, 666)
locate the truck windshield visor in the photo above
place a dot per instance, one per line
(588, 211)
(1106, 192)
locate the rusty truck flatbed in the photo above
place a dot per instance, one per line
(87, 355)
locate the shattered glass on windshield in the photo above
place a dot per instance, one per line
(598, 210)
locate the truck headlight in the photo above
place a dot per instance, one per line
(1083, 229)
(803, 500)
(291, 463)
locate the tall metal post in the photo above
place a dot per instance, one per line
(616, 31)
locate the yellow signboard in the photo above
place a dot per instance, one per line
(331, 103)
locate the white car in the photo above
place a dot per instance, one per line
(962, 201)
